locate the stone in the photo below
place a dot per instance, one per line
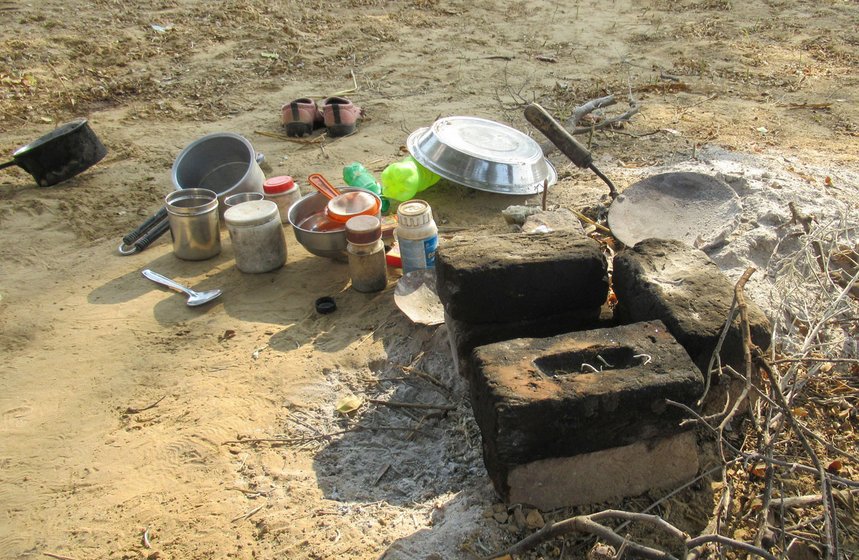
(682, 287)
(465, 337)
(516, 214)
(519, 518)
(534, 520)
(513, 277)
(544, 398)
(605, 475)
(560, 219)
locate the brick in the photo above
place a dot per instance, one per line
(682, 287)
(607, 475)
(513, 277)
(532, 401)
(465, 336)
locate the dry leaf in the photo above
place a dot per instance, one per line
(799, 412)
(835, 467)
(349, 403)
(759, 470)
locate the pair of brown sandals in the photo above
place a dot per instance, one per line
(337, 114)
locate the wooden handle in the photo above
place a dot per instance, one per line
(558, 135)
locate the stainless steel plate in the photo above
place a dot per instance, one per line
(482, 154)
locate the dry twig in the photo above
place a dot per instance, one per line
(132, 410)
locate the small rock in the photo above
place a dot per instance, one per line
(488, 512)
(499, 508)
(561, 219)
(512, 528)
(519, 518)
(534, 520)
(500, 517)
(601, 551)
(518, 214)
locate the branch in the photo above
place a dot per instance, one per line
(587, 524)
(829, 518)
(571, 124)
(704, 539)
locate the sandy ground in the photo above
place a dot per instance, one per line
(763, 90)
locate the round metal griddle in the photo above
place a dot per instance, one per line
(697, 209)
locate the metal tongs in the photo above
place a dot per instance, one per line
(146, 233)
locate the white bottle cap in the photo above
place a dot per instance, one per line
(414, 213)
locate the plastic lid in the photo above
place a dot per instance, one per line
(353, 203)
(277, 185)
(363, 229)
(251, 213)
(325, 305)
(414, 213)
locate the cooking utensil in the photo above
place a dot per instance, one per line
(223, 162)
(315, 230)
(194, 298)
(322, 185)
(235, 199)
(697, 209)
(59, 155)
(482, 154)
(569, 146)
(146, 233)
(342, 206)
(193, 215)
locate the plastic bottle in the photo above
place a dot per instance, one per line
(402, 180)
(366, 253)
(417, 235)
(356, 175)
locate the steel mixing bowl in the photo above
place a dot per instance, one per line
(331, 244)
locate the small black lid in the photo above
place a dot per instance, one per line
(325, 305)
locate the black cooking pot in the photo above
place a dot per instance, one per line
(60, 154)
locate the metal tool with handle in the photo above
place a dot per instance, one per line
(569, 146)
(194, 298)
(146, 233)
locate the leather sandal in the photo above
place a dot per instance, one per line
(340, 116)
(301, 116)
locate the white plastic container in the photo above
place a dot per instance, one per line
(284, 192)
(257, 236)
(417, 235)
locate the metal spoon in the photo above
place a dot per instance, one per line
(194, 298)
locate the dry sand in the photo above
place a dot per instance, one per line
(764, 92)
